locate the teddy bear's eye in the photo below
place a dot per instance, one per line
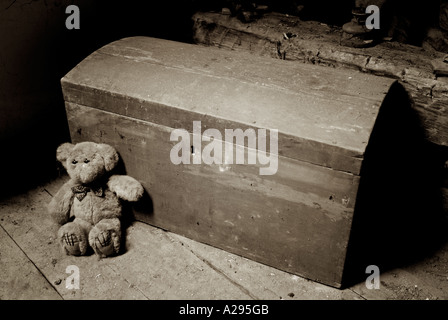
(86, 161)
(74, 162)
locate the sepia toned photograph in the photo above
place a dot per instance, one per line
(235, 151)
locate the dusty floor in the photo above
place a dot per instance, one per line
(162, 265)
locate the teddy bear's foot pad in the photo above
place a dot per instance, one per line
(71, 244)
(105, 244)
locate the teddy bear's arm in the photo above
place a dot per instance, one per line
(125, 187)
(59, 206)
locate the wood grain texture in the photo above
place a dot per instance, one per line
(161, 265)
(319, 44)
(21, 279)
(134, 92)
(298, 220)
(323, 116)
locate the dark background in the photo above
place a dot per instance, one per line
(37, 50)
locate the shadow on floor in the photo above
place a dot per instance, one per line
(398, 217)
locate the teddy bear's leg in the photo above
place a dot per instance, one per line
(105, 237)
(73, 239)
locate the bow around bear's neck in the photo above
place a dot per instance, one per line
(80, 190)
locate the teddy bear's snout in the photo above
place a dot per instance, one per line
(87, 169)
(87, 174)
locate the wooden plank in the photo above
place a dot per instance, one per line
(263, 282)
(25, 219)
(152, 266)
(411, 283)
(163, 269)
(144, 268)
(298, 220)
(317, 43)
(323, 117)
(20, 279)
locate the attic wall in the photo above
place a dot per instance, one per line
(37, 50)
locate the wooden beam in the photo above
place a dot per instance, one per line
(316, 43)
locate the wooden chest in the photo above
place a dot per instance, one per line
(257, 156)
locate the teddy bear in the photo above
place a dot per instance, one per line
(89, 205)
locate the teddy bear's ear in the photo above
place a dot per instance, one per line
(109, 155)
(63, 151)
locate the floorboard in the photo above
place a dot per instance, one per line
(20, 279)
(160, 265)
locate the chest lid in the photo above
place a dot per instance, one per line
(323, 116)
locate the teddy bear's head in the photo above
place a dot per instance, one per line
(86, 162)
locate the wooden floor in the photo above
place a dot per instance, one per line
(160, 265)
